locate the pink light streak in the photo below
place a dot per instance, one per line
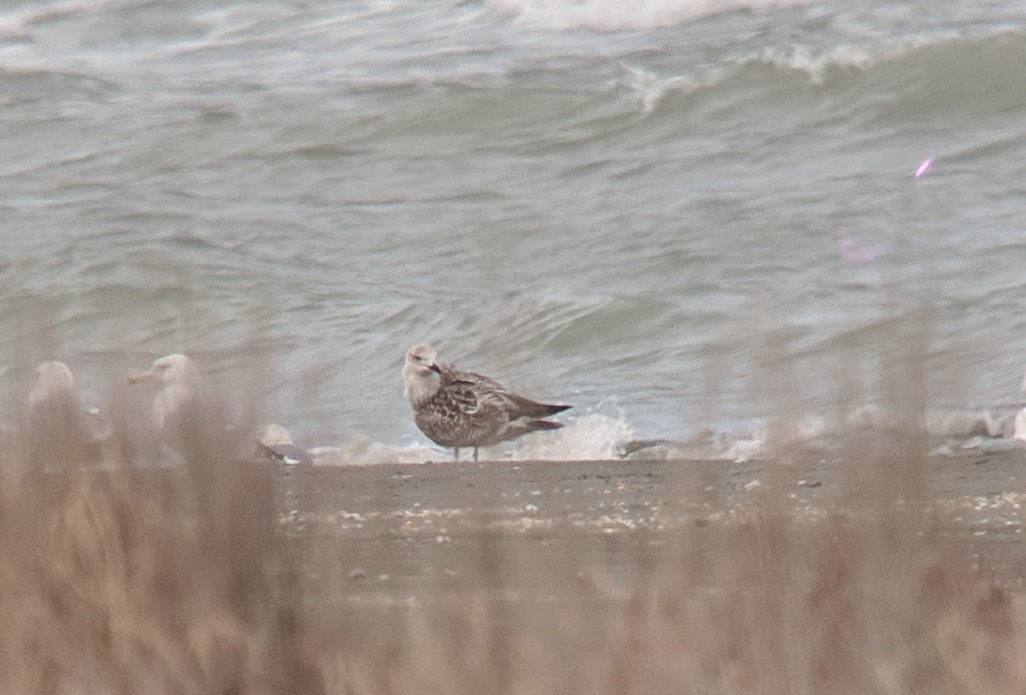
(853, 253)
(923, 167)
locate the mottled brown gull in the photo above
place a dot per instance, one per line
(463, 409)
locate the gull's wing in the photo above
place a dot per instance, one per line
(485, 392)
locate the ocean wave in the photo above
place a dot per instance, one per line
(768, 69)
(614, 15)
(18, 21)
(935, 69)
(978, 75)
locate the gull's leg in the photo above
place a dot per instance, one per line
(475, 454)
(456, 453)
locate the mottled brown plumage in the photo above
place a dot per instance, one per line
(458, 409)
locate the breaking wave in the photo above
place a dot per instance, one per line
(614, 15)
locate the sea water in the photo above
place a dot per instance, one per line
(677, 215)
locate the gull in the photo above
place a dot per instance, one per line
(1019, 425)
(275, 443)
(179, 384)
(58, 419)
(463, 409)
(175, 408)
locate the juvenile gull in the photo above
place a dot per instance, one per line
(463, 409)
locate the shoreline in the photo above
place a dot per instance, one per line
(400, 529)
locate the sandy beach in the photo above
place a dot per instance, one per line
(807, 573)
(398, 530)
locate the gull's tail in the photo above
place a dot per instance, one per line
(533, 409)
(527, 426)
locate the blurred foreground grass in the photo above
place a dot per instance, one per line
(203, 577)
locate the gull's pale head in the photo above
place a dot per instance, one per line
(421, 374)
(169, 369)
(56, 410)
(274, 434)
(421, 359)
(179, 380)
(52, 378)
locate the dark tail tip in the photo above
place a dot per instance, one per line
(529, 408)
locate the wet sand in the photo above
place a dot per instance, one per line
(391, 532)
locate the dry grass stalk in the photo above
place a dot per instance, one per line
(179, 580)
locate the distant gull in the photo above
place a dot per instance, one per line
(463, 409)
(1019, 425)
(275, 443)
(179, 383)
(57, 416)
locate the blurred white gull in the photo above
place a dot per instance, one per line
(179, 382)
(179, 398)
(1019, 426)
(58, 419)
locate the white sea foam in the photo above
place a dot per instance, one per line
(615, 15)
(648, 89)
(816, 64)
(591, 437)
(599, 437)
(363, 451)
